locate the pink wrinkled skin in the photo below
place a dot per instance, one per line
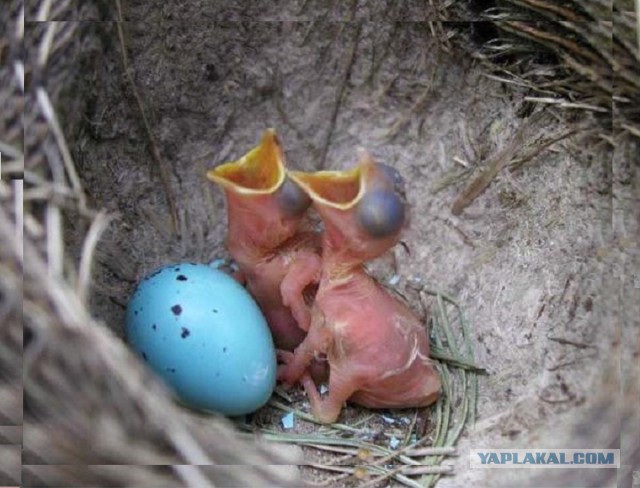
(277, 254)
(376, 347)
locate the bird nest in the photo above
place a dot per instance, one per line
(521, 161)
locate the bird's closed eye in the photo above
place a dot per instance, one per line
(381, 213)
(292, 199)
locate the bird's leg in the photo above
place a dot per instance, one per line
(317, 341)
(303, 271)
(327, 410)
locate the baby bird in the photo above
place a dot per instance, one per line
(277, 253)
(377, 348)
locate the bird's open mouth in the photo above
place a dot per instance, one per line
(338, 189)
(260, 171)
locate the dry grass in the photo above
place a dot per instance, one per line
(596, 56)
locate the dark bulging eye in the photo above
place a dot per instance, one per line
(395, 177)
(292, 199)
(381, 213)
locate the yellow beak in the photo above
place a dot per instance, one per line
(261, 171)
(337, 189)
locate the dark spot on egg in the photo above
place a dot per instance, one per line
(185, 333)
(155, 273)
(154, 326)
(135, 312)
(224, 349)
(144, 356)
(215, 310)
(181, 278)
(171, 370)
(244, 378)
(177, 270)
(176, 309)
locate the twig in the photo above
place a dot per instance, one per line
(45, 44)
(314, 440)
(49, 114)
(412, 425)
(283, 394)
(638, 24)
(192, 476)
(10, 151)
(579, 345)
(401, 472)
(98, 226)
(353, 451)
(420, 470)
(493, 167)
(633, 130)
(194, 456)
(18, 186)
(549, 38)
(43, 11)
(310, 418)
(456, 361)
(55, 244)
(565, 104)
(382, 477)
(461, 162)
(330, 467)
(431, 451)
(517, 163)
(155, 151)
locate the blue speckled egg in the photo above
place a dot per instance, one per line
(205, 336)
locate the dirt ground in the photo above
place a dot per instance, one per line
(545, 262)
